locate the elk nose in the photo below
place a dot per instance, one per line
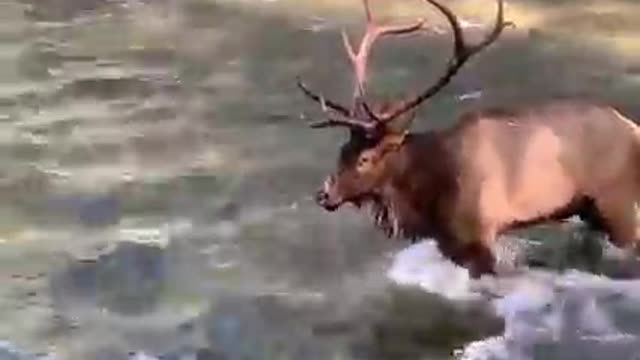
(322, 197)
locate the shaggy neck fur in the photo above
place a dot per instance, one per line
(412, 203)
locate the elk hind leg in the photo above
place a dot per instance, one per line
(618, 211)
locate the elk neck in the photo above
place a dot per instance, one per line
(422, 184)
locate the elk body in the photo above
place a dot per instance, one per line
(495, 170)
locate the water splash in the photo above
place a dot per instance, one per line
(547, 315)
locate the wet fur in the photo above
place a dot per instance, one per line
(498, 170)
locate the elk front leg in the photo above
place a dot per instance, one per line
(474, 254)
(478, 259)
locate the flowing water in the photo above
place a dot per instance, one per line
(156, 175)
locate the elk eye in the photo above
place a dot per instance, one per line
(364, 160)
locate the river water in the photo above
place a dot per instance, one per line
(157, 172)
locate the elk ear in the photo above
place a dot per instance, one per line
(357, 134)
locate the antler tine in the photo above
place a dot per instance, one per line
(359, 59)
(367, 11)
(340, 115)
(349, 122)
(462, 52)
(326, 103)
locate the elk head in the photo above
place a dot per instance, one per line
(378, 131)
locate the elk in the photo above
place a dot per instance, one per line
(496, 169)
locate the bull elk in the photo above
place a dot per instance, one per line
(495, 170)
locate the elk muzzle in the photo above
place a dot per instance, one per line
(327, 196)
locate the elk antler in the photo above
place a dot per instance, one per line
(369, 121)
(462, 52)
(359, 60)
(353, 118)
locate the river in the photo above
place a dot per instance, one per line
(157, 174)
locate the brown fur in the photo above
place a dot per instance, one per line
(497, 170)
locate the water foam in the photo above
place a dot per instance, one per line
(547, 314)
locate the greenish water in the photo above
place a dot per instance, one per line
(156, 175)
